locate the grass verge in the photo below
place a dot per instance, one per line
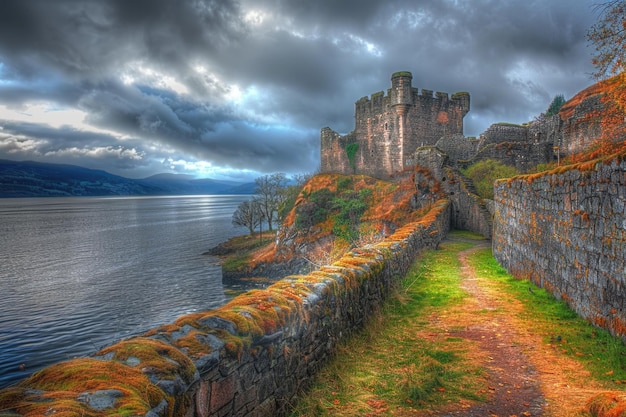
(602, 354)
(395, 365)
(235, 253)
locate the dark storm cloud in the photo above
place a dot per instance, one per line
(247, 85)
(89, 38)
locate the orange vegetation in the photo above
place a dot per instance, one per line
(388, 207)
(162, 359)
(611, 118)
(583, 167)
(608, 404)
(567, 111)
(62, 384)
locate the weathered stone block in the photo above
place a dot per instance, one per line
(582, 238)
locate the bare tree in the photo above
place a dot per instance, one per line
(608, 36)
(270, 194)
(248, 214)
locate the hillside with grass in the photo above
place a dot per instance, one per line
(331, 214)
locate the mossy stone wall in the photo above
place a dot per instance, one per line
(566, 231)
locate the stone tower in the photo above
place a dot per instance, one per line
(389, 128)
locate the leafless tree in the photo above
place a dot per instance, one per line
(248, 214)
(270, 193)
(608, 36)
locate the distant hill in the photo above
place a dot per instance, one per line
(178, 184)
(37, 179)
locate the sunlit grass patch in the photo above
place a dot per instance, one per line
(603, 355)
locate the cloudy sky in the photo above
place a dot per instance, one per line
(235, 89)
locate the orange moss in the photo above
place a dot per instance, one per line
(64, 382)
(567, 110)
(253, 314)
(363, 261)
(609, 119)
(192, 345)
(583, 167)
(618, 326)
(564, 296)
(293, 291)
(162, 359)
(600, 321)
(347, 274)
(166, 328)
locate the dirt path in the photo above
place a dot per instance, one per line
(526, 376)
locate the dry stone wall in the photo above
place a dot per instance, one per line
(566, 231)
(248, 358)
(504, 132)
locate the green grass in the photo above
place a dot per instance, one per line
(391, 368)
(484, 173)
(389, 365)
(601, 353)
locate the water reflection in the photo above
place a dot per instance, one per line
(79, 273)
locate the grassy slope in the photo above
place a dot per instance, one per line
(388, 206)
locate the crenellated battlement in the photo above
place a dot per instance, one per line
(378, 100)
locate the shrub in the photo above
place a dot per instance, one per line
(484, 173)
(556, 105)
(351, 149)
(316, 209)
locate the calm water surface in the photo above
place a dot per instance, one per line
(77, 274)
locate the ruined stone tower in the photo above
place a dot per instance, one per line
(389, 128)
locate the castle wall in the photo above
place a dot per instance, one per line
(468, 211)
(334, 158)
(459, 148)
(547, 129)
(580, 128)
(251, 357)
(565, 231)
(390, 127)
(503, 132)
(524, 156)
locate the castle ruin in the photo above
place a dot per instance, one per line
(389, 128)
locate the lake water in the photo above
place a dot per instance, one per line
(77, 274)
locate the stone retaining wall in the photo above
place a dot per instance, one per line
(504, 132)
(248, 358)
(566, 231)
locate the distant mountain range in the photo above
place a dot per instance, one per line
(37, 179)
